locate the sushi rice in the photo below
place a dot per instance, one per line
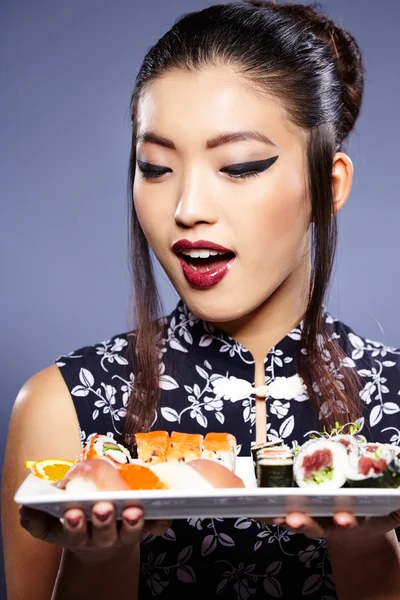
(321, 463)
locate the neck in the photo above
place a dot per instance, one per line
(266, 325)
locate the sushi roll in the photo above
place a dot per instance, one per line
(152, 447)
(183, 447)
(103, 446)
(274, 442)
(377, 467)
(220, 447)
(353, 447)
(275, 467)
(321, 463)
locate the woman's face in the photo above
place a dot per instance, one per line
(220, 167)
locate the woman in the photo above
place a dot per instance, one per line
(239, 115)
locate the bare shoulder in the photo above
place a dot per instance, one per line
(44, 416)
(43, 424)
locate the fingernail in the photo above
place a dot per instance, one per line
(73, 521)
(102, 517)
(344, 525)
(132, 522)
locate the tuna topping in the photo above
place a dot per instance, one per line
(318, 461)
(366, 463)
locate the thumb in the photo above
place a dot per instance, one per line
(383, 525)
(40, 524)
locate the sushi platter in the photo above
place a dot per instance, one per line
(180, 477)
(223, 502)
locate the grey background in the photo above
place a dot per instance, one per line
(67, 70)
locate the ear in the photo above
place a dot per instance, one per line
(342, 179)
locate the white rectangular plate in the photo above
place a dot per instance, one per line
(249, 502)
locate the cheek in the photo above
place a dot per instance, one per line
(276, 226)
(149, 212)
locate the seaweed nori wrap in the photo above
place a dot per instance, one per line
(321, 463)
(378, 467)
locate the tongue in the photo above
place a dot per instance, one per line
(208, 264)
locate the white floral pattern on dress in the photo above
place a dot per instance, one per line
(206, 381)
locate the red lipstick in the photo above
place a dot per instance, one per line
(213, 269)
(199, 245)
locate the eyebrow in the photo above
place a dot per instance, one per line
(224, 138)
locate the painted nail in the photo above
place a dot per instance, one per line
(73, 521)
(132, 522)
(344, 525)
(102, 517)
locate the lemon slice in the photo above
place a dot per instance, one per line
(51, 469)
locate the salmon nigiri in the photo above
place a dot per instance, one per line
(140, 478)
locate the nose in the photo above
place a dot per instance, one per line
(195, 204)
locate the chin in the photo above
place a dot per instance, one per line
(217, 310)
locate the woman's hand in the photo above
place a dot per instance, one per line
(342, 527)
(97, 540)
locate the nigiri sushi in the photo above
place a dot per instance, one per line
(92, 475)
(140, 478)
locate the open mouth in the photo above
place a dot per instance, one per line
(203, 260)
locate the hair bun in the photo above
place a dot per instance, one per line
(343, 47)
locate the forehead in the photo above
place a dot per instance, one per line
(192, 105)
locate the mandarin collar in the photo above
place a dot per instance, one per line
(201, 339)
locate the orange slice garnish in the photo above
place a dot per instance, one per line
(51, 469)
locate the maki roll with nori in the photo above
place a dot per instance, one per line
(377, 467)
(321, 463)
(349, 442)
(272, 443)
(274, 466)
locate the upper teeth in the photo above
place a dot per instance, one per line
(200, 253)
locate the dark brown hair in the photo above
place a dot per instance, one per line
(298, 55)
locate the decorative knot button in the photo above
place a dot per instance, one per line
(281, 388)
(262, 391)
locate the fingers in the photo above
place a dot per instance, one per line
(75, 528)
(346, 520)
(301, 523)
(104, 528)
(132, 525)
(158, 527)
(382, 525)
(269, 520)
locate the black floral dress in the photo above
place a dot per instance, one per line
(229, 558)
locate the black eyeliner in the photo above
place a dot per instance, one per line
(150, 171)
(255, 165)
